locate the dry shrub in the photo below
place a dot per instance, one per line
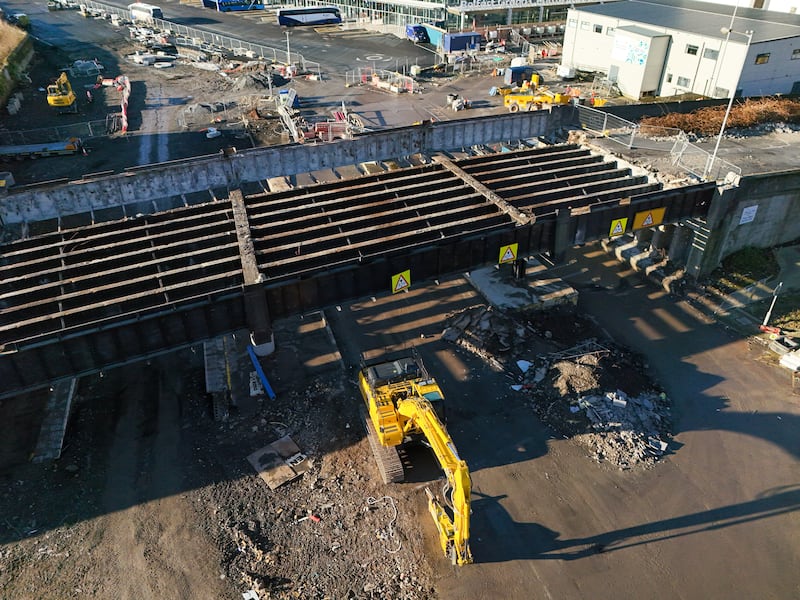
(751, 112)
(10, 37)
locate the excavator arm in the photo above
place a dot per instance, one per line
(453, 532)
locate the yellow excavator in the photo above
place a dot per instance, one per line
(61, 96)
(536, 100)
(406, 404)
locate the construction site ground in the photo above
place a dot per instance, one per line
(154, 499)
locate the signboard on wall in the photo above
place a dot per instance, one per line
(630, 50)
(748, 214)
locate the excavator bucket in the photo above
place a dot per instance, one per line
(455, 549)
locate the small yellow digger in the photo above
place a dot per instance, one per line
(533, 101)
(404, 403)
(61, 96)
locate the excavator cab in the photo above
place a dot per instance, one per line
(398, 373)
(61, 96)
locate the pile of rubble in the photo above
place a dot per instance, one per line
(592, 391)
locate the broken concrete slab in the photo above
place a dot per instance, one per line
(279, 462)
(535, 291)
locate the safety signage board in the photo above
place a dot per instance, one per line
(508, 253)
(649, 218)
(618, 227)
(748, 214)
(401, 281)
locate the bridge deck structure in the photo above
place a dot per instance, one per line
(86, 298)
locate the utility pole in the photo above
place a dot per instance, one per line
(764, 326)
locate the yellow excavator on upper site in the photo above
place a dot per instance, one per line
(534, 100)
(61, 96)
(403, 400)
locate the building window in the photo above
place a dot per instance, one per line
(711, 54)
(598, 29)
(669, 77)
(572, 23)
(585, 25)
(609, 31)
(721, 92)
(684, 82)
(795, 53)
(691, 49)
(762, 59)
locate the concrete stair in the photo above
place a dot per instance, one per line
(651, 263)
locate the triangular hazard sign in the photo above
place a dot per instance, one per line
(508, 255)
(401, 283)
(617, 229)
(648, 220)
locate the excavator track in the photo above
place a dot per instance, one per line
(389, 464)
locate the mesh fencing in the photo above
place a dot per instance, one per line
(672, 141)
(84, 131)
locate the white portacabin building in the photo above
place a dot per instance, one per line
(673, 47)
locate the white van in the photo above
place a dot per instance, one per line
(144, 12)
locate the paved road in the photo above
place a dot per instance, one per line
(717, 519)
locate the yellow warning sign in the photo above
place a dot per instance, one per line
(618, 227)
(649, 218)
(401, 281)
(508, 253)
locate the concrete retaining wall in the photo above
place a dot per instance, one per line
(38, 203)
(635, 112)
(768, 204)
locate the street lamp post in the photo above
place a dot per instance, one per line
(728, 31)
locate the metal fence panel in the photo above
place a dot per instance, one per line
(683, 153)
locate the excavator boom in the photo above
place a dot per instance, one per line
(453, 532)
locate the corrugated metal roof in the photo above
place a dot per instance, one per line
(702, 18)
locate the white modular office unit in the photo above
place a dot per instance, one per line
(626, 40)
(637, 60)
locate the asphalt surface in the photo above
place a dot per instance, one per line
(716, 519)
(336, 54)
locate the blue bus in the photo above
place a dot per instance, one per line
(228, 5)
(310, 15)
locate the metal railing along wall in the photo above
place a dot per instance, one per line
(695, 160)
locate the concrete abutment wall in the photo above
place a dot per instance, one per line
(763, 211)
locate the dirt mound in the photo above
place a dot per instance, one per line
(585, 388)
